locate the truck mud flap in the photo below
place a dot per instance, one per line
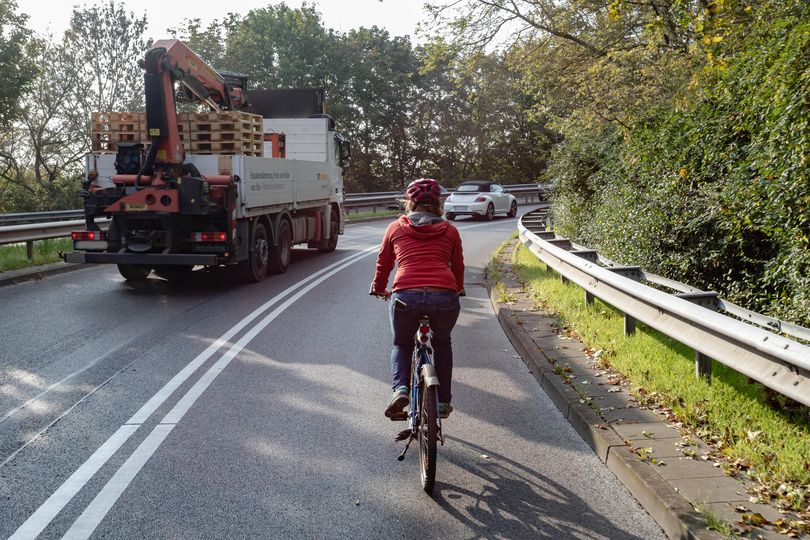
(151, 259)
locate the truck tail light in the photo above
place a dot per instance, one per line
(87, 235)
(481, 199)
(208, 237)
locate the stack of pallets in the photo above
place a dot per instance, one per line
(107, 129)
(226, 132)
(222, 132)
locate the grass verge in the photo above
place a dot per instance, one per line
(45, 251)
(352, 216)
(752, 433)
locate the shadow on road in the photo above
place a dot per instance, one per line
(517, 502)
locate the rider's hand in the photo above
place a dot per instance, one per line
(385, 295)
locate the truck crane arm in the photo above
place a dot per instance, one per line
(167, 62)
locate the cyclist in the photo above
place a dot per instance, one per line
(429, 278)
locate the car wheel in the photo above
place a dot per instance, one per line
(450, 216)
(490, 215)
(513, 209)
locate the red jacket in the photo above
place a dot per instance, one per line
(427, 250)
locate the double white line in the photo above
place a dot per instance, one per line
(87, 522)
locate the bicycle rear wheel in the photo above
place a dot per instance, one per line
(428, 434)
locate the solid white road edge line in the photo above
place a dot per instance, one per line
(87, 522)
(40, 519)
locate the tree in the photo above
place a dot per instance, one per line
(104, 43)
(16, 68)
(94, 68)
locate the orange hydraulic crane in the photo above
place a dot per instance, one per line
(167, 62)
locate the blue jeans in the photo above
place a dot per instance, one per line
(443, 309)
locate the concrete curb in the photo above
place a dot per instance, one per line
(673, 512)
(32, 273)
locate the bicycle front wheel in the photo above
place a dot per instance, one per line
(428, 434)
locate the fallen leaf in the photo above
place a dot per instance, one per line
(754, 518)
(648, 434)
(614, 389)
(753, 434)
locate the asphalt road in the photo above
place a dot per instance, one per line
(217, 410)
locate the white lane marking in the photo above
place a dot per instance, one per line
(87, 522)
(150, 406)
(104, 501)
(40, 519)
(50, 388)
(45, 513)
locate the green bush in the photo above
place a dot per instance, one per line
(715, 191)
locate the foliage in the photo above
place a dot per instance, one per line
(16, 69)
(683, 132)
(715, 190)
(102, 47)
(409, 112)
(92, 69)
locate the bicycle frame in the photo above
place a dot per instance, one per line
(422, 366)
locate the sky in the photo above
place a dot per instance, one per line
(399, 17)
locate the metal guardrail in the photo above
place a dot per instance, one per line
(29, 229)
(37, 217)
(714, 328)
(385, 198)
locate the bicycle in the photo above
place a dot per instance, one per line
(425, 421)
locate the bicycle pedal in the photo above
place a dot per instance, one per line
(399, 417)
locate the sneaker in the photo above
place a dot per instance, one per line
(399, 400)
(445, 409)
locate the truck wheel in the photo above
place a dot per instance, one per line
(281, 253)
(254, 269)
(134, 272)
(334, 231)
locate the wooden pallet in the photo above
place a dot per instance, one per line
(222, 132)
(226, 148)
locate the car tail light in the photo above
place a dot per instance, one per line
(480, 199)
(87, 235)
(208, 237)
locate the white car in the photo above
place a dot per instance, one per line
(481, 199)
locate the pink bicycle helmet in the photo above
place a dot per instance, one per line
(423, 191)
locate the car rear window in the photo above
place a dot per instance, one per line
(469, 188)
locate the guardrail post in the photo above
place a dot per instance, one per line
(588, 298)
(563, 279)
(29, 250)
(703, 366)
(629, 325)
